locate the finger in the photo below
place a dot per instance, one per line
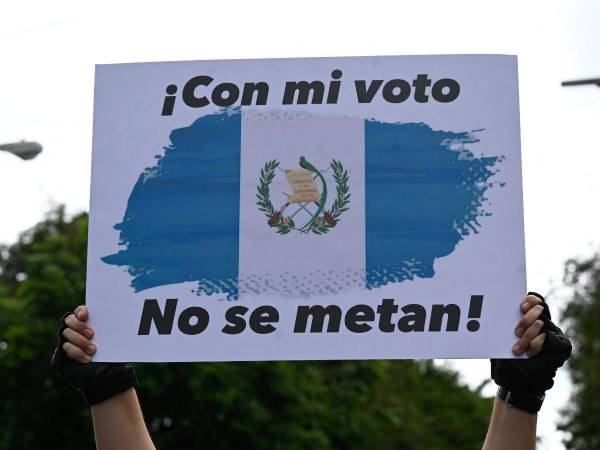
(79, 341)
(536, 345)
(528, 319)
(76, 353)
(82, 313)
(531, 333)
(81, 327)
(529, 302)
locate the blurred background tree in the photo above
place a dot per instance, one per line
(583, 320)
(265, 405)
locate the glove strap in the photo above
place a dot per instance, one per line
(528, 403)
(110, 386)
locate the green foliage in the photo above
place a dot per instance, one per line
(41, 277)
(583, 317)
(264, 405)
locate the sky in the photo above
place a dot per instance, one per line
(48, 52)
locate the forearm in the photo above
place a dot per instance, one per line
(119, 424)
(510, 428)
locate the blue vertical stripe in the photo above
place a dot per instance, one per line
(422, 197)
(182, 217)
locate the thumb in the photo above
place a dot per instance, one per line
(82, 313)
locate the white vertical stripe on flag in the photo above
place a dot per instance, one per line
(300, 264)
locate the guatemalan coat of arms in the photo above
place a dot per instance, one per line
(311, 206)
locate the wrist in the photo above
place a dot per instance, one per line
(116, 381)
(529, 403)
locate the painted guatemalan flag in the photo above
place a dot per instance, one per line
(372, 203)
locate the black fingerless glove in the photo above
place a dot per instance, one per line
(523, 382)
(96, 381)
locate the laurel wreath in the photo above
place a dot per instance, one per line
(283, 225)
(329, 219)
(322, 224)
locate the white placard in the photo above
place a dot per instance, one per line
(318, 208)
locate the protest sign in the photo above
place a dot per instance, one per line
(318, 208)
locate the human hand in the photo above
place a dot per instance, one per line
(71, 360)
(76, 334)
(529, 328)
(523, 382)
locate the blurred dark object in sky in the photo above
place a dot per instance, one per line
(24, 149)
(595, 81)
